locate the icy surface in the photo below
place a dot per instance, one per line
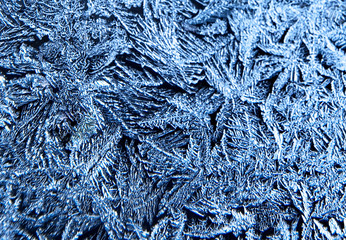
(177, 119)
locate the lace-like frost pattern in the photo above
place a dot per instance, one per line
(165, 119)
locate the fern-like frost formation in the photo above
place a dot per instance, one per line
(172, 119)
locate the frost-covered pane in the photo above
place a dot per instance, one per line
(166, 119)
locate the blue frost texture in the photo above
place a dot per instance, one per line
(172, 119)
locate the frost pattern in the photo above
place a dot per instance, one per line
(165, 119)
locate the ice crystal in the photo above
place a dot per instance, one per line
(166, 119)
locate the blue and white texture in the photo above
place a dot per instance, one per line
(172, 119)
